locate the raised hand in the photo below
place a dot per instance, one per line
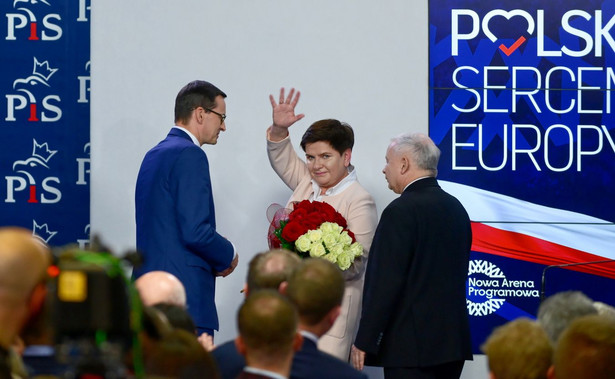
(284, 113)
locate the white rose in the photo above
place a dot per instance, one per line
(303, 243)
(345, 238)
(344, 260)
(314, 235)
(336, 250)
(330, 239)
(356, 249)
(330, 227)
(331, 258)
(317, 250)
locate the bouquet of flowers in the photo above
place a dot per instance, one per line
(314, 229)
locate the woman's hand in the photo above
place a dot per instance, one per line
(284, 114)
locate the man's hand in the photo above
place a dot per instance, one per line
(357, 357)
(206, 341)
(284, 114)
(230, 269)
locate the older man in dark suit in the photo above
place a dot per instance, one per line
(414, 320)
(176, 224)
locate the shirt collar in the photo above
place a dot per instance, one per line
(192, 137)
(267, 373)
(309, 335)
(339, 187)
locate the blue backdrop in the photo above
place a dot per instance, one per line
(522, 109)
(45, 118)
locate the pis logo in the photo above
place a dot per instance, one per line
(24, 187)
(26, 100)
(24, 24)
(42, 232)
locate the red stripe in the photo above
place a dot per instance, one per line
(490, 240)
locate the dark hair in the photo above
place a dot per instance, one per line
(338, 134)
(177, 316)
(315, 287)
(197, 93)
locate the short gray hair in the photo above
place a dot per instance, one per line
(422, 149)
(560, 309)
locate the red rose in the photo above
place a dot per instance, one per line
(312, 221)
(328, 211)
(293, 230)
(340, 220)
(351, 234)
(304, 204)
(297, 214)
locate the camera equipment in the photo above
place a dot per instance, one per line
(96, 314)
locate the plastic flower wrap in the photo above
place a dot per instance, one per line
(314, 229)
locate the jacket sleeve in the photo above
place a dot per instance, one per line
(285, 162)
(195, 209)
(390, 257)
(362, 221)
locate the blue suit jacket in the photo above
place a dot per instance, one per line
(176, 226)
(308, 362)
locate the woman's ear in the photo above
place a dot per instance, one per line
(347, 155)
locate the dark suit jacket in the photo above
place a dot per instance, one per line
(414, 305)
(176, 226)
(308, 362)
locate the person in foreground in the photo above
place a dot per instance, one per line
(518, 349)
(23, 267)
(326, 176)
(316, 289)
(176, 224)
(557, 311)
(585, 349)
(266, 270)
(414, 320)
(159, 287)
(268, 338)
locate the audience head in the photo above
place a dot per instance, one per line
(557, 311)
(604, 309)
(270, 269)
(409, 157)
(586, 349)
(160, 287)
(24, 260)
(519, 349)
(178, 354)
(316, 288)
(267, 324)
(178, 317)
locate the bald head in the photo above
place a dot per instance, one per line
(23, 261)
(267, 270)
(23, 264)
(156, 287)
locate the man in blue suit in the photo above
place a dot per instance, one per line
(176, 225)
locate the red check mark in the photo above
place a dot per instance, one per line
(513, 47)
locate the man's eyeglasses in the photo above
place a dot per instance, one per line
(221, 115)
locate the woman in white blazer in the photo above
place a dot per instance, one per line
(326, 175)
